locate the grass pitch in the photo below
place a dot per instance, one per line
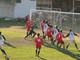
(20, 49)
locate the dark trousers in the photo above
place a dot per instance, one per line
(30, 33)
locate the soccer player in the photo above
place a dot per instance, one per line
(59, 37)
(45, 29)
(42, 26)
(70, 35)
(2, 39)
(49, 33)
(38, 40)
(28, 25)
(32, 30)
(55, 32)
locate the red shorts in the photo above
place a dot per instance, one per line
(38, 46)
(28, 29)
(62, 42)
(49, 35)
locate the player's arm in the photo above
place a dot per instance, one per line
(58, 30)
(35, 40)
(57, 36)
(67, 34)
(25, 25)
(64, 36)
(76, 34)
(4, 37)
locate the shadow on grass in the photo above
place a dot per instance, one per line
(7, 58)
(41, 58)
(8, 44)
(73, 55)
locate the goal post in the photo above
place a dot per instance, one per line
(65, 20)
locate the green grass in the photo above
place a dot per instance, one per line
(25, 50)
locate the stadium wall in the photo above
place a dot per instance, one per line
(22, 9)
(12, 9)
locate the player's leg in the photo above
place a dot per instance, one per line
(33, 33)
(38, 51)
(54, 40)
(60, 45)
(39, 47)
(28, 30)
(62, 42)
(44, 35)
(28, 34)
(63, 45)
(75, 44)
(43, 32)
(67, 45)
(2, 50)
(51, 39)
(57, 44)
(48, 37)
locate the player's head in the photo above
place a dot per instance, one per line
(46, 21)
(38, 34)
(0, 33)
(56, 26)
(70, 30)
(34, 22)
(43, 20)
(61, 30)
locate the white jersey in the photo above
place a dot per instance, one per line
(45, 27)
(55, 32)
(1, 40)
(71, 36)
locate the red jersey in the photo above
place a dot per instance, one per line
(49, 32)
(29, 24)
(59, 37)
(38, 41)
(42, 25)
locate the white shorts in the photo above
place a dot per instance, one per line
(72, 41)
(1, 46)
(45, 30)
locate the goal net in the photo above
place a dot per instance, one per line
(65, 20)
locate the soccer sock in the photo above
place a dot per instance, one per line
(57, 44)
(67, 46)
(3, 51)
(63, 46)
(34, 35)
(54, 41)
(38, 52)
(44, 37)
(76, 46)
(27, 33)
(60, 45)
